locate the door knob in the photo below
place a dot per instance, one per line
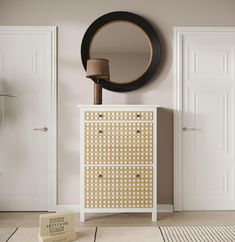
(45, 129)
(188, 129)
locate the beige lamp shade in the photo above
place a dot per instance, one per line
(97, 68)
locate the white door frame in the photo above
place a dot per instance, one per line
(179, 33)
(52, 156)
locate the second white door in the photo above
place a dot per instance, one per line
(208, 69)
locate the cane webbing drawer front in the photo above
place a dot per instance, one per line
(118, 115)
(118, 143)
(118, 187)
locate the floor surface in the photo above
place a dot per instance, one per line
(111, 227)
(31, 219)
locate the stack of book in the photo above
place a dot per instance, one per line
(57, 227)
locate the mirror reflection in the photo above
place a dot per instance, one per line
(126, 46)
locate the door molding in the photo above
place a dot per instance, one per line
(179, 33)
(53, 151)
(52, 156)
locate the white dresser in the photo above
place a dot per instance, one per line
(118, 162)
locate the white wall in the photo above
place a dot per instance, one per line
(73, 18)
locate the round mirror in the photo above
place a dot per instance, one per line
(127, 48)
(130, 44)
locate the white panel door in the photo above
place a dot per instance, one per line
(25, 78)
(208, 69)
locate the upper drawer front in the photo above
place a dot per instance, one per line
(118, 115)
(118, 143)
(118, 187)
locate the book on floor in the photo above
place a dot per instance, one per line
(56, 223)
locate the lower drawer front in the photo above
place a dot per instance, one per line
(118, 187)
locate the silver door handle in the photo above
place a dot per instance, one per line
(188, 129)
(45, 129)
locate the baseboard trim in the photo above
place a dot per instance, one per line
(165, 208)
(66, 207)
(161, 208)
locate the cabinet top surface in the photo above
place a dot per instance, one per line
(119, 106)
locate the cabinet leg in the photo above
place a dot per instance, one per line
(82, 217)
(154, 216)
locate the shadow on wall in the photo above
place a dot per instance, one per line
(165, 156)
(164, 66)
(132, 98)
(68, 142)
(164, 151)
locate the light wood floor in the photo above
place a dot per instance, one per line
(31, 219)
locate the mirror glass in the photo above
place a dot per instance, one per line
(126, 46)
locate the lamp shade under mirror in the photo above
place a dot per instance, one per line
(98, 69)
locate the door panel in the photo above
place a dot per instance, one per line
(25, 74)
(208, 113)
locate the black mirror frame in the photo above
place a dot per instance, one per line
(145, 26)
